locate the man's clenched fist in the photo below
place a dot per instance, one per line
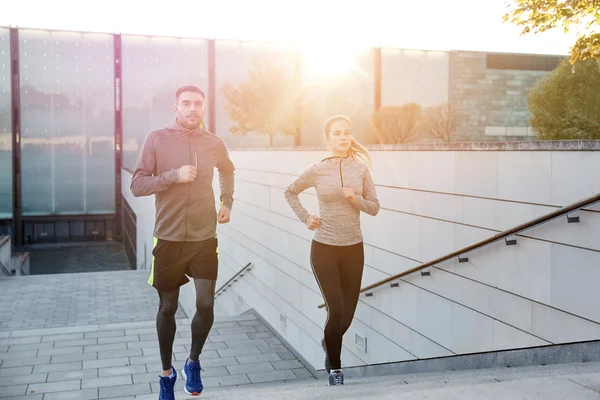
(224, 215)
(187, 173)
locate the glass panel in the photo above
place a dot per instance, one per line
(5, 127)
(153, 69)
(77, 231)
(415, 76)
(44, 232)
(62, 230)
(67, 121)
(339, 81)
(234, 62)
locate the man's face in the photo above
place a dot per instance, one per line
(189, 110)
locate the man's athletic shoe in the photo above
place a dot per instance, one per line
(167, 386)
(327, 363)
(191, 373)
(336, 378)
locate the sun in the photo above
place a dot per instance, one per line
(328, 61)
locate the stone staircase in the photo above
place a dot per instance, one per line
(119, 360)
(66, 337)
(88, 336)
(565, 381)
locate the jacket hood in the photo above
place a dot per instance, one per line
(174, 126)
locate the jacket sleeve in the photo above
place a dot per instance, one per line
(368, 202)
(145, 182)
(226, 176)
(304, 181)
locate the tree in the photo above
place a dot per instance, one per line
(566, 103)
(439, 121)
(265, 102)
(542, 15)
(396, 124)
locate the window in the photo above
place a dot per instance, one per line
(522, 62)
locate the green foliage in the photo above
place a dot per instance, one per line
(535, 16)
(266, 101)
(566, 103)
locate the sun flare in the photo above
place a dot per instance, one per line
(328, 61)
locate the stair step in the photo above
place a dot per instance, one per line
(538, 382)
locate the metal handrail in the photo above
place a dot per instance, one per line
(240, 273)
(4, 269)
(499, 236)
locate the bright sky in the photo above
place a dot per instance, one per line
(409, 24)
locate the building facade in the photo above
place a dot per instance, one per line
(75, 108)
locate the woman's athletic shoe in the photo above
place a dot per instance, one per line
(167, 386)
(336, 377)
(191, 373)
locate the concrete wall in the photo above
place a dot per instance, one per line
(539, 292)
(20, 264)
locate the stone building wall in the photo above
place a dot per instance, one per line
(492, 99)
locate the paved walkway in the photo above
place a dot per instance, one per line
(59, 300)
(63, 345)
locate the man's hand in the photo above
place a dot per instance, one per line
(187, 173)
(312, 222)
(349, 194)
(224, 215)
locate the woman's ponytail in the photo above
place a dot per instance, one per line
(358, 152)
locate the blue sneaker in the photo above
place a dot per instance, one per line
(191, 373)
(167, 386)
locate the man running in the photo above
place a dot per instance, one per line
(177, 165)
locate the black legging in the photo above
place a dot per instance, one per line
(338, 270)
(201, 323)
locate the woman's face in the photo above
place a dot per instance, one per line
(340, 137)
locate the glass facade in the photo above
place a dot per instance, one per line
(338, 81)
(5, 127)
(421, 79)
(153, 69)
(414, 76)
(67, 110)
(67, 122)
(235, 62)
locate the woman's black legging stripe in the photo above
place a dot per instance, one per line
(338, 270)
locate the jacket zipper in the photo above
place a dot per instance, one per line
(189, 189)
(341, 176)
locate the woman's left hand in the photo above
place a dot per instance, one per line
(349, 194)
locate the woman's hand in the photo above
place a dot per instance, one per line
(312, 222)
(349, 194)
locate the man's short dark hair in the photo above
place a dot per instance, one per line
(188, 88)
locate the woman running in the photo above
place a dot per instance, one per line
(344, 188)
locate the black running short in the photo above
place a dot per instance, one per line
(172, 261)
